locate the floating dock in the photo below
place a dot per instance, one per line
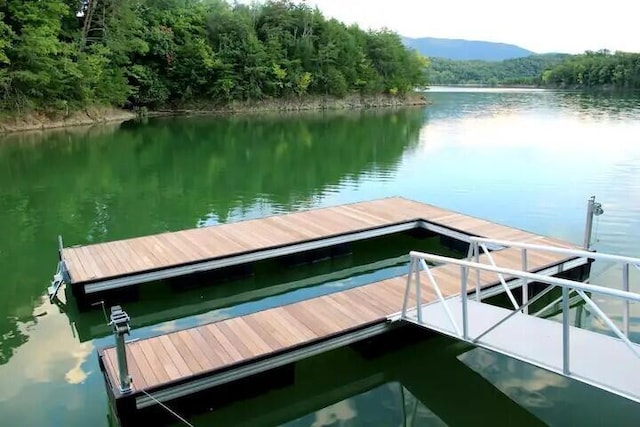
(106, 266)
(185, 362)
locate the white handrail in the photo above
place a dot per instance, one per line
(566, 251)
(500, 276)
(631, 296)
(566, 285)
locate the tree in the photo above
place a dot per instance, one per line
(68, 54)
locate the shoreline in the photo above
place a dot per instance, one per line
(39, 121)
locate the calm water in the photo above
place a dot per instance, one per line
(529, 159)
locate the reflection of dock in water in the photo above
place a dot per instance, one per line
(327, 385)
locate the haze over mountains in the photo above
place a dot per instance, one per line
(458, 49)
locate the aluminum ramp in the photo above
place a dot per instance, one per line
(596, 359)
(605, 359)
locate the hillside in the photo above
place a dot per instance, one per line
(458, 49)
(518, 71)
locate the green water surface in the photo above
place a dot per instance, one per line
(528, 159)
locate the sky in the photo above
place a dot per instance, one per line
(568, 26)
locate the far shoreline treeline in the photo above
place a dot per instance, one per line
(62, 56)
(590, 70)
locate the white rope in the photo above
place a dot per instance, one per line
(168, 409)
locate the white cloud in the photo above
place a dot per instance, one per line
(543, 26)
(51, 354)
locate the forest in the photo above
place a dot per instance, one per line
(619, 70)
(590, 70)
(510, 72)
(61, 55)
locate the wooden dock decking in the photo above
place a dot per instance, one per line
(104, 266)
(176, 359)
(176, 356)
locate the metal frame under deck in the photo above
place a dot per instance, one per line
(269, 253)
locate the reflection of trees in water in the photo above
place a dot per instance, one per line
(590, 105)
(171, 174)
(11, 338)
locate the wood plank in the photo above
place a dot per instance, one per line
(210, 347)
(191, 341)
(231, 342)
(293, 325)
(89, 263)
(146, 370)
(141, 261)
(196, 242)
(120, 264)
(165, 359)
(154, 361)
(142, 251)
(132, 262)
(325, 312)
(111, 367)
(264, 326)
(167, 251)
(182, 251)
(187, 352)
(134, 369)
(320, 328)
(154, 252)
(342, 298)
(74, 265)
(178, 361)
(254, 342)
(225, 349)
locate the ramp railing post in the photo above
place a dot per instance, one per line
(120, 323)
(416, 271)
(476, 251)
(565, 330)
(465, 314)
(525, 283)
(407, 291)
(625, 307)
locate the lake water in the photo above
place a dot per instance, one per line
(528, 159)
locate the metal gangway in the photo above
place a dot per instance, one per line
(609, 361)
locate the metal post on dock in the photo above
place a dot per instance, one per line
(593, 209)
(120, 323)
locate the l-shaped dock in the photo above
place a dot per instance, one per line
(106, 266)
(185, 362)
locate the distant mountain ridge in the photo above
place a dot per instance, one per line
(458, 49)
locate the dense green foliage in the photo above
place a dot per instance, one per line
(619, 70)
(65, 54)
(519, 71)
